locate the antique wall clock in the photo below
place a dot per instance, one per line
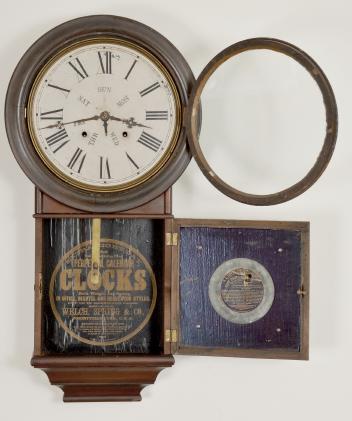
(102, 114)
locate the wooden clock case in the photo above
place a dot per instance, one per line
(186, 321)
(110, 377)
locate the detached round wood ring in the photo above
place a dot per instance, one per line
(331, 121)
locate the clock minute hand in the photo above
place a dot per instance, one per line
(82, 120)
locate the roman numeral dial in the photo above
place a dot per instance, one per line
(104, 115)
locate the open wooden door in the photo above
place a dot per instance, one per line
(240, 288)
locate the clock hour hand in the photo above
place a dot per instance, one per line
(60, 124)
(130, 122)
(105, 124)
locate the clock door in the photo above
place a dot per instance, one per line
(101, 293)
(240, 288)
(101, 286)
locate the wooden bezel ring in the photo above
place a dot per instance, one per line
(331, 121)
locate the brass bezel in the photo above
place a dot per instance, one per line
(167, 153)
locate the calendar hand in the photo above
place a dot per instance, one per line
(59, 124)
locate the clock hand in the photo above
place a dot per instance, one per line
(105, 124)
(130, 122)
(59, 124)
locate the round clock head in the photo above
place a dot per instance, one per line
(104, 115)
(94, 113)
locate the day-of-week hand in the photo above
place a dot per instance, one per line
(82, 120)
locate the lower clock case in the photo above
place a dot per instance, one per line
(117, 296)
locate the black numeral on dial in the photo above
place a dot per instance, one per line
(150, 89)
(132, 161)
(80, 70)
(77, 160)
(156, 115)
(130, 69)
(104, 168)
(58, 139)
(59, 88)
(150, 141)
(52, 115)
(105, 61)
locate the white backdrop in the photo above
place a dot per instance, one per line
(199, 387)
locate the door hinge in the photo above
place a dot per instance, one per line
(171, 239)
(171, 335)
(302, 292)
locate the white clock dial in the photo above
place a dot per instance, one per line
(104, 115)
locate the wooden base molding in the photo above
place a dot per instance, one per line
(102, 379)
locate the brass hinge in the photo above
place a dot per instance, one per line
(171, 335)
(171, 239)
(302, 292)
